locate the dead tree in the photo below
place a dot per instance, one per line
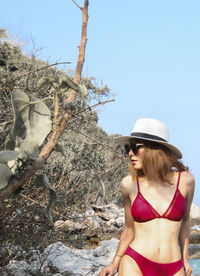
(30, 169)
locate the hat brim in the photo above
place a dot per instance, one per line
(124, 140)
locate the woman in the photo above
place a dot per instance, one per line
(157, 198)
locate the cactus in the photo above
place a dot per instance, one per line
(8, 155)
(63, 85)
(32, 124)
(66, 82)
(52, 198)
(43, 181)
(5, 172)
(83, 90)
(44, 81)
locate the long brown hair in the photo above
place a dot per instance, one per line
(158, 163)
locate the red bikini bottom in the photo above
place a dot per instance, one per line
(149, 268)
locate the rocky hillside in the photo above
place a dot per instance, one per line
(86, 167)
(84, 171)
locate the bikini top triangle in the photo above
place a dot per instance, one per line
(143, 211)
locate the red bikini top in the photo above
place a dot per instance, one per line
(142, 211)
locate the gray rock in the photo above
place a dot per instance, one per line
(89, 212)
(58, 223)
(96, 220)
(195, 211)
(194, 237)
(18, 268)
(80, 262)
(194, 251)
(58, 260)
(120, 222)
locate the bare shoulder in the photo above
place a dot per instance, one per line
(188, 181)
(188, 178)
(128, 185)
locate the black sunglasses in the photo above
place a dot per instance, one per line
(133, 147)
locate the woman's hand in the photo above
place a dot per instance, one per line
(108, 270)
(188, 269)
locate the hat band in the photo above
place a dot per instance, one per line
(147, 136)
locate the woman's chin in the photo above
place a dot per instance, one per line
(137, 166)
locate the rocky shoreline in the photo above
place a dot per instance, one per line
(100, 228)
(58, 259)
(105, 222)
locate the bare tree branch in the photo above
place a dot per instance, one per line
(20, 180)
(53, 211)
(103, 188)
(42, 205)
(36, 70)
(72, 115)
(34, 165)
(98, 142)
(46, 151)
(48, 148)
(56, 108)
(93, 178)
(77, 5)
(92, 107)
(82, 47)
(81, 57)
(4, 123)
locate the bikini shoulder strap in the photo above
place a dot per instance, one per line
(138, 186)
(179, 176)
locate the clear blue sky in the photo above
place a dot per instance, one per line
(148, 52)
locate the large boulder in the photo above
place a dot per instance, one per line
(194, 236)
(195, 211)
(58, 260)
(194, 251)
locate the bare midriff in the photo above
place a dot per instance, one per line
(157, 240)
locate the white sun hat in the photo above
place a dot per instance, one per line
(150, 130)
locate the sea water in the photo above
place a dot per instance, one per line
(196, 227)
(195, 264)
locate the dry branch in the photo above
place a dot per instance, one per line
(36, 70)
(53, 211)
(81, 57)
(82, 47)
(30, 170)
(93, 178)
(77, 5)
(92, 107)
(98, 142)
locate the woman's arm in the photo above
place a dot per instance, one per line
(126, 238)
(185, 226)
(127, 234)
